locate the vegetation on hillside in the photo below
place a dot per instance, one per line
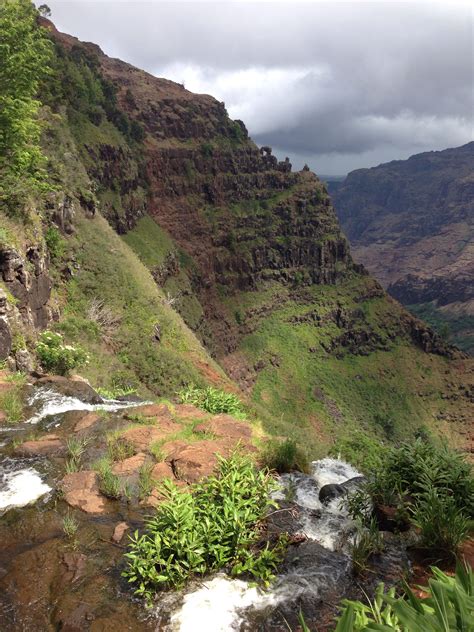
(25, 54)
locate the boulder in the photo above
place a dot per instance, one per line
(330, 491)
(227, 427)
(129, 466)
(160, 411)
(119, 532)
(142, 437)
(196, 460)
(81, 490)
(85, 422)
(5, 339)
(188, 411)
(44, 446)
(70, 387)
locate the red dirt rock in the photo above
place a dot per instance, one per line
(44, 446)
(143, 436)
(162, 471)
(119, 532)
(129, 466)
(197, 460)
(227, 427)
(160, 411)
(188, 411)
(88, 420)
(81, 490)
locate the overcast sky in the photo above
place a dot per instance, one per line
(337, 85)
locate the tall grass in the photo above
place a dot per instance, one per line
(213, 400)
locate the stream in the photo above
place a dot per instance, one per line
(48, 584)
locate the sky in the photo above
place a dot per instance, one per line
(336, 85)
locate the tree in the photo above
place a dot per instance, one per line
(25, 53)
(44, 10)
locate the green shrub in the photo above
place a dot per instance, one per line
(146, 482)
(57, 357)
(449, 608)
(443, 525)
(285, 456)
(367, 542)
(11, 403)
(214, 526)
(213, 400)
(55, 243)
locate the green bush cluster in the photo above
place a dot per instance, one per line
(215, 526)
(213, 400)
(432, 487)
(56, 357)
(449, 607)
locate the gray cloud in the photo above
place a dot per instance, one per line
(337, 85)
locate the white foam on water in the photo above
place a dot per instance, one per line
(52, 403)
(221, 603)
(21, 487)
(328, 471)
(218, 606)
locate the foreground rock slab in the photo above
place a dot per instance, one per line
(81, 490)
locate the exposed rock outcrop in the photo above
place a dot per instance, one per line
(411, 223)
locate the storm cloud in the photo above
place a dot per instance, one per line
(337, 85)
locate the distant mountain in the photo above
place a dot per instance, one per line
(411, 223)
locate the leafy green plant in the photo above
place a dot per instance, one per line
(448, 608)
(214, 526)
(57, 357)
(285, 456)
(443, 524)
(213, 400)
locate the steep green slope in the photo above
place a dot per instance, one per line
(223, 252)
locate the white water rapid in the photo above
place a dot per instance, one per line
(19, 487)
(223, 604)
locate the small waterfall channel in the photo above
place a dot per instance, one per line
(315, 574)
(310, 572)
(20, 482)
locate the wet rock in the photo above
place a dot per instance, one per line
(142, 437)
(71, 387)
(88, 420)
(129, 466)
(119, 532)
(329, 492)
(81, 490)
(44, 446)
(75, 563)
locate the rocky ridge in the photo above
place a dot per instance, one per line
(410, 223)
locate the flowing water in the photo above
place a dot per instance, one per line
(36, 562)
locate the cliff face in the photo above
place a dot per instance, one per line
(171, 213)
(411, 224)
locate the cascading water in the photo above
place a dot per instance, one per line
(20, 481)
(49, 403)
(222, 604)
(19, 486)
